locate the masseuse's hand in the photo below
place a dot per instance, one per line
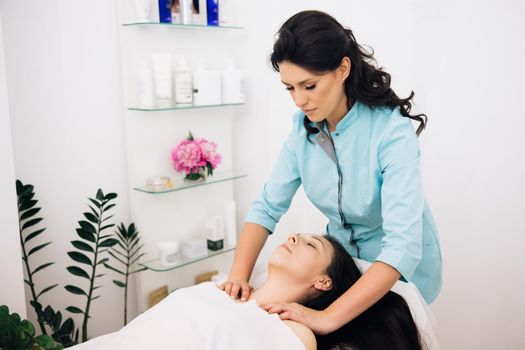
(317, 321)
(237, 289)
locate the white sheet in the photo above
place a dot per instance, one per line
(202, 317)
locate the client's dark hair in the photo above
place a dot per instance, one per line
(387, 325)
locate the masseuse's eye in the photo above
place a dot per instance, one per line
(311, 87)
(289, 88)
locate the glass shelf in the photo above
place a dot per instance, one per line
(175, 25)
(174, 108)
(154, 264)
(180, 184)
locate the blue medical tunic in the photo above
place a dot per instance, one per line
(382, 195)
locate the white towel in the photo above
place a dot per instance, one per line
(204, 317)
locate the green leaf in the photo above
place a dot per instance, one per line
(31, 223)
(75, 290)
(27, 204)
(120, 284)
(117, 258)
(77, 271)
(33, 235)
(27, 327)
(57, 320)
(74, 309)
(102, 261)
(37, 248)
(68, 324)
(100, 195)
(29, 213)
(88, 236)
(114, 269)
(97, 204)
(87, 226)
(110, 242)
(91, 217)
(47, 289)
(48, 313)
(45, 341)
(41, 267)
(94, 211)
(82, 246)
(110, 196)
(79, 257)
(94, 298)
(100, 275)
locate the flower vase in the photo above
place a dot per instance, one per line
(196, 177)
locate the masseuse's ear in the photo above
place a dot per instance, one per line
(324, 283)
(344, 68)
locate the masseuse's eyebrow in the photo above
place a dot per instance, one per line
(301, 82)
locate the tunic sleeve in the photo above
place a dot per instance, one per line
(278, 191)
(402, 200)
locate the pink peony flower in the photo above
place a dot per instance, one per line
(187, 157)
(209, 152)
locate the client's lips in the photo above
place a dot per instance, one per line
(285, 246)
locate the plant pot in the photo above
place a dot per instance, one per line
(196, 177)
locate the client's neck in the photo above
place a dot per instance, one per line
(280, 288)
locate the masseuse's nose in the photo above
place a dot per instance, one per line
(300, 99)
(293, 238)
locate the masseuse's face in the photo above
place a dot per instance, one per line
(318, 96)
(304, 257)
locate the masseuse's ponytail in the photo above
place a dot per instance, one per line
(317, 42)
(388, 324)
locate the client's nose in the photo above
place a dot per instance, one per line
(293, 239)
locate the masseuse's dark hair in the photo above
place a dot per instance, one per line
(387, 325)
(318, 43)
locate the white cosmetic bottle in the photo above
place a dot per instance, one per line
(186, 11)
(226, 15)
(206, 87)
(162, 73)
(142, 11)
(146, 87)
(183, 83)
(231, 223)
(232, 85)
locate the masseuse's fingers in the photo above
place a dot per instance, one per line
(246, 291)
(317, 321)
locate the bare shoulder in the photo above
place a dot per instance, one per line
(304, 333)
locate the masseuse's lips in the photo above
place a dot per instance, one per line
(309, 110)
(285, 246)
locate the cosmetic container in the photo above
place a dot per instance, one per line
(232, 85)
(162, 74)
(165, 11)
(206, 87)
(186, 11)
(146, 87)
(142, 11)
(175, 12)
(226, 17)
(159, 183)
(194, 248)
(212, 8)
(231, 223)
(183, 83)
(215, 237)
(168, 252)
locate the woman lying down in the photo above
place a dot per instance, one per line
(308, 269)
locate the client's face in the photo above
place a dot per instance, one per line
(304, 257)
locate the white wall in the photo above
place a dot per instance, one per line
(462, 59)
(63, 75)
(11, 273)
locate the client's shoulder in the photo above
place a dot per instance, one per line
(304, 333)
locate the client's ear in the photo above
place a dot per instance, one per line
(324, 283)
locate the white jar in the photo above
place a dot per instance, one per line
(183, 83)
(232, 81)
(168, 252)
(206, 87)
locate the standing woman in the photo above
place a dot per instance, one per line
(354, 150)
